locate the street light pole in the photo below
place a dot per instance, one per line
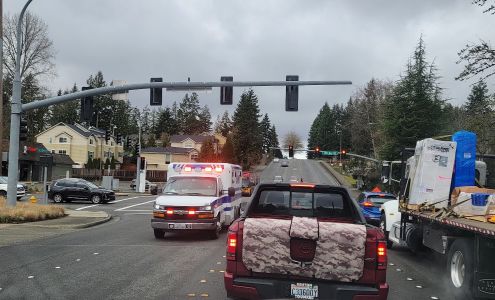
(15, 118)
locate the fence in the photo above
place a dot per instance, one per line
(88, 174)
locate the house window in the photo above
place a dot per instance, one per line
(91, 154)
(53, 151)
(194, 156)
(62, 140)
(50, 140)
(91, 142)
(62, 151)
(188, 145)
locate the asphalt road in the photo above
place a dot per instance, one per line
(122, 259)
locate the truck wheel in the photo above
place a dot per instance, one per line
(460, 268)
(383, 226)
(159, 234)
(216, 233)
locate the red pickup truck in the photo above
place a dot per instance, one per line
(305, 241)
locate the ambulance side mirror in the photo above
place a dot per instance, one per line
(231, 191)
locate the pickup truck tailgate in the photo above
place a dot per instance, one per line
(338, 254)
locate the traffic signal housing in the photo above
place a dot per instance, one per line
(23, 129)
(128, 143)
(226, 92)
(86, 107)
(343, 153)
(119, 139)
(107, 135)
(291, 151)
(156, 93)
(137, 149)
(291, 94)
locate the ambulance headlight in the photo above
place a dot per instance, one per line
(207, 207)
(158, 206)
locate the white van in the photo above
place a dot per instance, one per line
(198, 196)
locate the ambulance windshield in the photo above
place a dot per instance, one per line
(191, 186)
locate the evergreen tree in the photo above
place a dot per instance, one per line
(414, 109)
(166, 123)
(67, 112)
(191, 117)
(228, 151)
(37, 119)
(266, 133)
(274, 142)
(247, 139)
(223, 125)
(480, 116)
(207, 153)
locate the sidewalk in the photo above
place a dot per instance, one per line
(18, 233)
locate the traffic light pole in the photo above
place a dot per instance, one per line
(15, 118)
(18, 108)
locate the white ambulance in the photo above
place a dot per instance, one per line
(198, 196)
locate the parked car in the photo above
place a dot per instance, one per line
(21, 189)
(277, 179)
(304, 241)
(146, 187)
(370, 203)
(78, 189)
(284, 163)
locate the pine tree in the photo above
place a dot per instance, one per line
(265, 127)
(67, 112)
(228, 151)
(414, 109)
(480, 116)
(207, 153)
(191, 117)
(166, 123)
(247, 139)
(223, 125)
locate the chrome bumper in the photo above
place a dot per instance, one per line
(195, 224)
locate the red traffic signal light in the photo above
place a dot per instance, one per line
(343, 152)
(317, 149)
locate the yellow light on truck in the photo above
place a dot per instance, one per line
(218, 169)
(188, 169)
(208, 169)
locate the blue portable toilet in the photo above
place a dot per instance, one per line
(465, 158)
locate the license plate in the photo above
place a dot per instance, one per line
(180, 226)
(304, 291)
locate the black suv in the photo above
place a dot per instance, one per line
(78, 189)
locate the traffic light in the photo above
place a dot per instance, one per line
(128, 142)
(107, 135)
(291, 94)
(291, 151)
(86, 107)
(136, 149)
(119, 139)
(142, 166)
(343, 153)
(156, 93)
(23, 130)
(226, 92)
(317, 151)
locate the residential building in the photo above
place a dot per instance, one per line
(158, 158)
(196, 141)
(80, 143)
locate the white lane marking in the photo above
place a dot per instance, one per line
(78, 259)
(419, 286)
(57, 267)
(30, 277)
(96, 253)
(111, 202)
(120, 209)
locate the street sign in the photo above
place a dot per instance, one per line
(329, 153)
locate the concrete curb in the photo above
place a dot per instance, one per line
(336, 175)
(72, 226)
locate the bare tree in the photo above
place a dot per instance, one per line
(292, 139)
(37, 52)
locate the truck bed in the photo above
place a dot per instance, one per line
(484, 228)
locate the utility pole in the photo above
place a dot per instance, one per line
(1, 84)
(138, 162)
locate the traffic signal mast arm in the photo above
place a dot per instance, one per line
(150, 85)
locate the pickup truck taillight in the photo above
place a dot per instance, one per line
(381, 255)
(231, 245)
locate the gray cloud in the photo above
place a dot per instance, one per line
(259, 40)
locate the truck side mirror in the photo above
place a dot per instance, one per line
(231, 191)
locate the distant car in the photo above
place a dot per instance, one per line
(247, 187)
(78, 189)
(294, 179)
(276, 160)
(146, 187)
(284, 163)
(277, 179)
(21, 189)
(370, 203)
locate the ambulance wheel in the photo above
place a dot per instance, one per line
(216, 233)
(159, 234)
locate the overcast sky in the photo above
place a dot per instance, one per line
(258, 40)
